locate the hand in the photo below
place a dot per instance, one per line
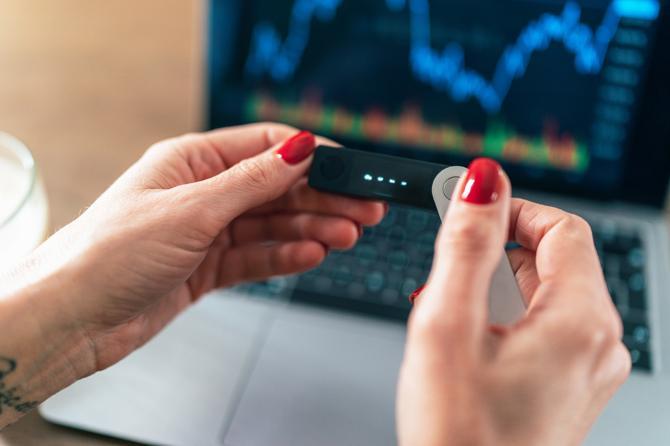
(195, 213)
(543, 381)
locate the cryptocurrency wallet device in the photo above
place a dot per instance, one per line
(374, 176)
(414, 183)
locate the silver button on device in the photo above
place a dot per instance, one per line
(450, 186)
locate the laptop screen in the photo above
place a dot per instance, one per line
(554, 90)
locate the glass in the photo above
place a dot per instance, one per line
(23, 202)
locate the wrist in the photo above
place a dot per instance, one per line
(60, 338)
(42, 349)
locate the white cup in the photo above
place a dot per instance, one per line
(24, 212)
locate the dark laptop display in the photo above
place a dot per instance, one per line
(555, 90)
(570, 96)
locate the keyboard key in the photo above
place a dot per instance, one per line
(398, 260)
(390, 296)
(342, 276)
(397, 235)
(409, 286)
(375, 281)
(366, 254)
(637, 301)
(636, 258)
(323, 283)
(389, 220)
(417, 221)
(356, 290)
(637, 332)
(636, 283)
(427, 240)
(641, 359)
(641, 334)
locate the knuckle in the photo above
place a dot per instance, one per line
(577, 226)
(275, 131)
(174, 144)
(422, 323)
(189, 137)
(578, 335)
(272, 126)
(613, 325)
(598, 336)
(614, 368)
(162, 146)
(594, 339)
(426, 324)
(623, 364)
(253, 174)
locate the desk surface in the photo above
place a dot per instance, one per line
(89, 85)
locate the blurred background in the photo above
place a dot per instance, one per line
(88, 85)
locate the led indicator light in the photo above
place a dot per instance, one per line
(391, 180)
(380, 179)
(367, 177)
(403, 183)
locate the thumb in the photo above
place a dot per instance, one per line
(260, 179)
(469, 248)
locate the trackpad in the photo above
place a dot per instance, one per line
(180, 388)
(321, 378)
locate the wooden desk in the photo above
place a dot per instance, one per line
(89, 85)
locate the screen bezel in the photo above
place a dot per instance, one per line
(646, 175)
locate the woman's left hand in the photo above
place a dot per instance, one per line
(196, 213)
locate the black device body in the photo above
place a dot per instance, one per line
(374, 176)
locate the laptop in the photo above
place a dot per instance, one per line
(572, 97)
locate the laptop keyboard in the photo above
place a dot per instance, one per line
(623, 260)
(394, 258)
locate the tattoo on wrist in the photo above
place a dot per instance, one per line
(9, 397)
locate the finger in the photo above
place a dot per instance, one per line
(198, 156)
(523, 265)
(302, 198)
(238, 143)
(468, 250)
(334, 232)
(255, 181)
(257, 262)
(566, 257)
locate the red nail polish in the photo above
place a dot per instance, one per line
(481, 182)
(416, 294)
(297, 148)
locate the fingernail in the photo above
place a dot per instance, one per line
(297, 148)
(360, 230)
(386, 208)
(481, 182)
(416, 294)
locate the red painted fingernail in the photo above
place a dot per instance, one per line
(416, 294)
(481, 182)
(297, 148)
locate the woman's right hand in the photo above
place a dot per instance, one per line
(543, 381)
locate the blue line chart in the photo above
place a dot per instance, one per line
(445, 70)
